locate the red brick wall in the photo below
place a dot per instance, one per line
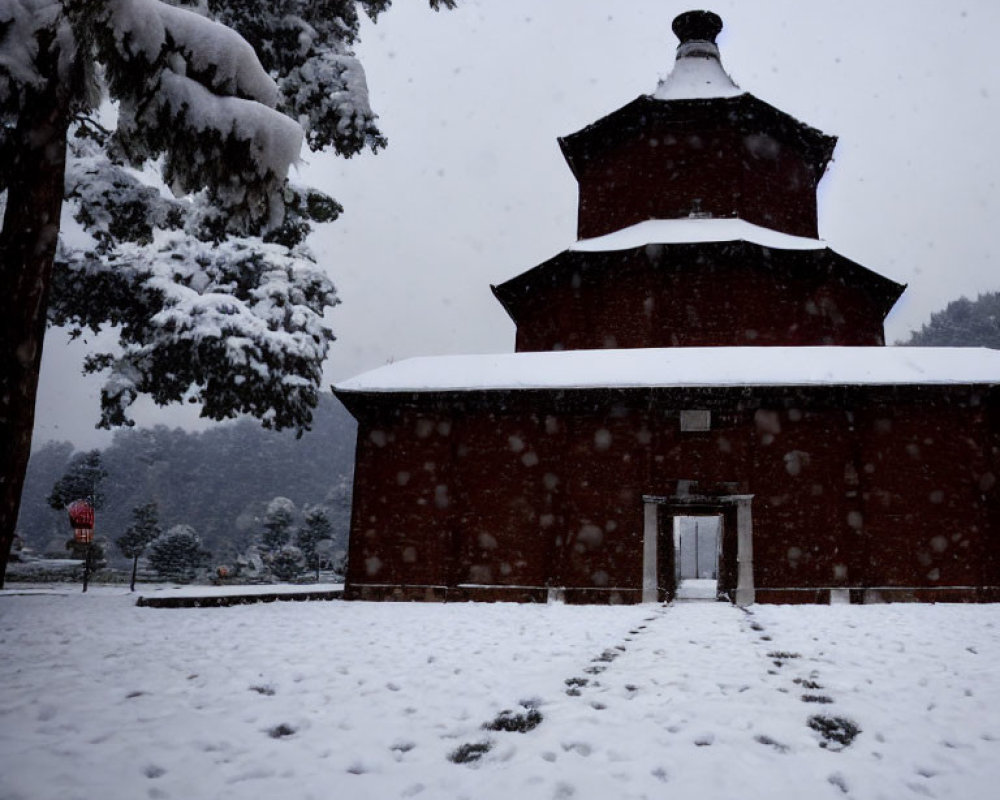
(402, 522)
(852, 487)
(666, 172)
(927, 480)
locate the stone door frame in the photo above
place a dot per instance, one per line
(706, 504)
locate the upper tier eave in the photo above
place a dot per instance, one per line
(566, 266)
(742, 111)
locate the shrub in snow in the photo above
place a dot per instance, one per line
(286, 563)
(178, 554)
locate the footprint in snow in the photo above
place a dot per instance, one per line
(563, 791)
(400, 748)
(838, 780)
(281, 731)
(767, 740)
(580, 748)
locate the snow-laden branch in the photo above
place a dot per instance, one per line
(274, 139)
(151, 27)
(238, 327)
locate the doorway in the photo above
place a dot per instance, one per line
(714, 540)
(697, 544)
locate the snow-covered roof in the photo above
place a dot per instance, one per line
(697, 74)
(694, 230)
(685, 367)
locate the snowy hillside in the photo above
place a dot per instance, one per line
(356, 700)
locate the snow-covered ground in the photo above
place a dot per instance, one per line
(102, 699)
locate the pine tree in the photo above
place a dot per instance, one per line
(144, 529)
(286, 563)
(316, 528)
(178, 554)
(278, 521)
(82, 481)
(215, 296)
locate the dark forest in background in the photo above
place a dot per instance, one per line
(962, 323)
(217, 481)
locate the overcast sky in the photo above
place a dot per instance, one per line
(473, 189)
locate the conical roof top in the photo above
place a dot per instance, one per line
(697, 72)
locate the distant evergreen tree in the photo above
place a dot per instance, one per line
(315, 529)
(81, 481)
(178, 554)
(963, 323)
(287, 563)
(278, 524)
(283, 560)
(143, 531)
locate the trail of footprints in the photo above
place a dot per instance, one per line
(529, 717)
(835, 732)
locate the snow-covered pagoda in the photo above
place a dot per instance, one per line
(698, 355)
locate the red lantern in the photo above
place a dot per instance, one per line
(81, 518)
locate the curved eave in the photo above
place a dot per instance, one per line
(563, 266)
(885, 290)
(589, 142)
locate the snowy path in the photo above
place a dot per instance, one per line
(358, 700)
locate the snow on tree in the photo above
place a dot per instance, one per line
(215, 297)
(286, 563)
(81, 481)
(278, 520)
(315, 528)
(178, 554)
(145, 528)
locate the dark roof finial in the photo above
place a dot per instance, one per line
(697, 26)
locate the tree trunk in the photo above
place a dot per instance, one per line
(86, 566)
(135, 568)
(28, 239)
